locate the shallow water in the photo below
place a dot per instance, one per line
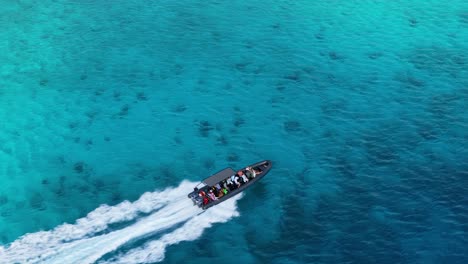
(360, 105)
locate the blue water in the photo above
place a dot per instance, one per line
(111, 111)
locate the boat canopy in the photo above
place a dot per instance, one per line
(214, 179)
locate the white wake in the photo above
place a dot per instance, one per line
(89, 239)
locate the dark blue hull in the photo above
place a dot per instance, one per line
(264, 166)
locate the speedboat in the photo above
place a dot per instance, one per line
(226, 183)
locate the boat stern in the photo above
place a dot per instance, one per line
(196, 199)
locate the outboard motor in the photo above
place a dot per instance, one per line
(198, 201)
(193, 194)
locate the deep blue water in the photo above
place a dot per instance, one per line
(361, 105)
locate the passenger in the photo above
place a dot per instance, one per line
(218, 186)
(225, 191)
(251, 172)
(212, 196)
(202, 193)
(225, 186)
(220, 194)
(236, 181)
(241, 175)
(233, 178)
(230, 184)
(245, 178)
(248, 173)
(205, 200)
(214, 190)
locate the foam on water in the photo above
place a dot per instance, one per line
(87, 241)
(153, 251)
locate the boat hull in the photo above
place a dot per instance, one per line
(265, 166)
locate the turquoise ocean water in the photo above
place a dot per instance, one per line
(112, 110)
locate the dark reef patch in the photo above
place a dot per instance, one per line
(124, 110)
(116, 197)
(83, 188)
(178, 140)
(280, 88)
(83, 77)
(91, 114)
(374, 55)
(249, 44)
(333, 55)
(73, 125)
(3, 200)
(179, 108)
(4, 239)
(292, 126)
(209, 164)
(247, 82)
(409, 80)
(233, 157)
(99, 92)
(60, 191)
(37, 202)
(79, 167)
(412, 22)
(142, 173)
(463, 17)
(117, 95)
(319, 36)
(61, 159)
(222, 141)
(204, 128)
(98, 184)
(238, 121)
(295, 76)
(141, 96)
(89, 143)
(6, 212)
(178, 69)
(43, 82)
(241, 66)
(228, 86)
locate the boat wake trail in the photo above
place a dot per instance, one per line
(137, 232)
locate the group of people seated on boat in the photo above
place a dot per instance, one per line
(227, 185)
